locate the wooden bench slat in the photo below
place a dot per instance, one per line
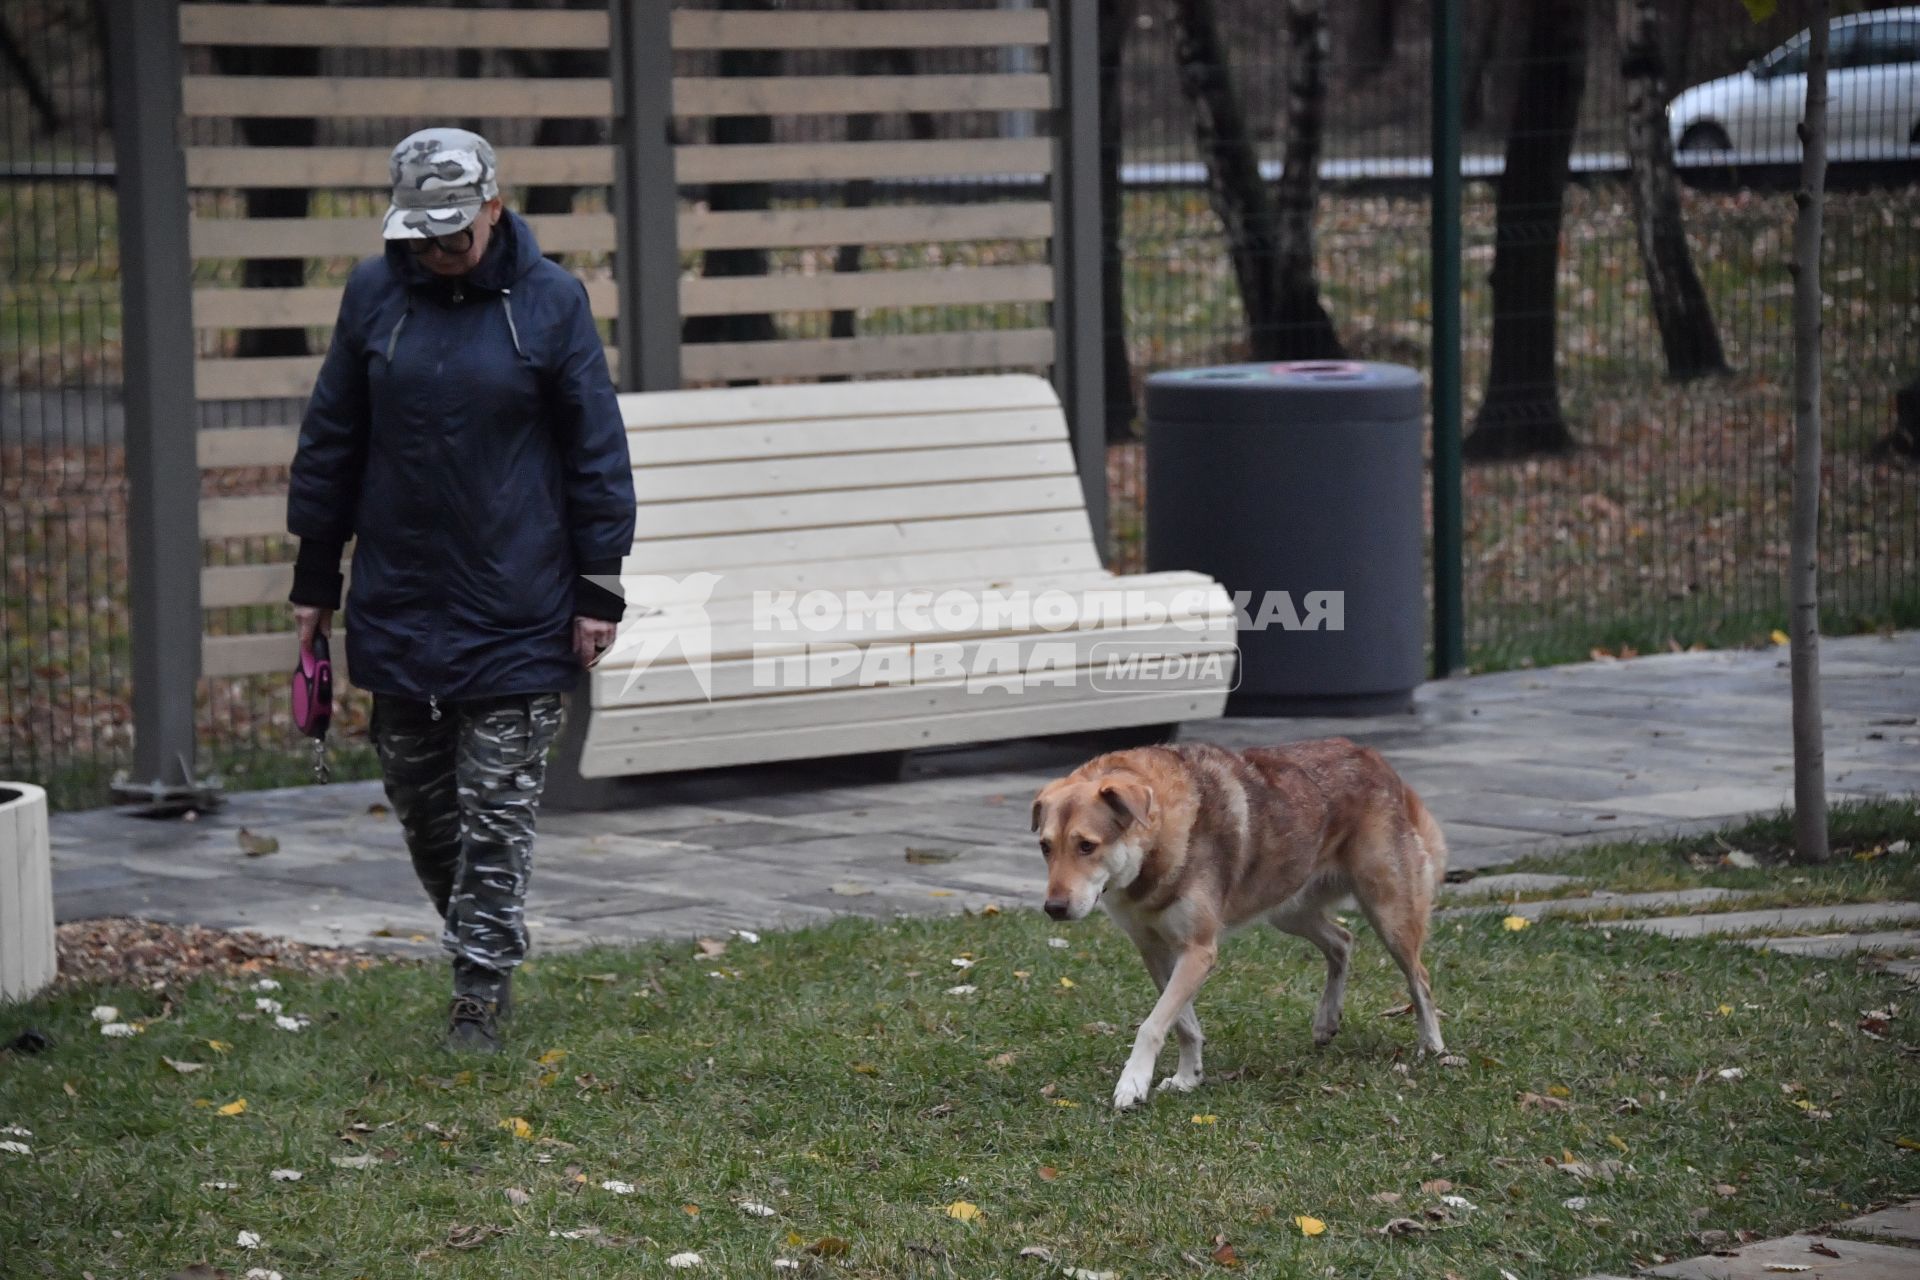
(352, 97)
(822, 510)
(910, 353)
(803, 547)
(277, 377)
(877, 225)
(768, 709)
(382, 27)
(909, 29)
(831, 95)
(280, 308)
(360, 237)
(220, 447)
(871, 290)
(848, 402)
(269, 653)
(349, 167)
(821, 161)
(818, 438)
(850, 473)
(916, 730)
(250, 516)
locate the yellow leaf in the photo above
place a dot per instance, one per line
(1514, 924)
(964, 1211)
(691, 1210)
(1206, 1119)
(1065, 1102)
(795, 1239)
(1067, 982)
(1726, 1010)
(463, 1077)
(219, 1046)
(989, 910)
(1309, 1226)
(1559, 1091)
(939, 893)
(238, 1107)
(865, 1069)
(1907, 1144)
(1803, 1104)
(203, 1102)
(547, 1078)
(551, 1057)
(1617, 1141)
(1779, 636)
(1023, 973)
(517, 1127)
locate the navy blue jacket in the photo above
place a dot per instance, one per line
(464, 433)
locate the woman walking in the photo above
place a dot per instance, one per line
(463, 432)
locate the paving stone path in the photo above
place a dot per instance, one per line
(1515, 763)
(1878, 1246)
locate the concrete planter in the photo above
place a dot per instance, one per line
(26, 892)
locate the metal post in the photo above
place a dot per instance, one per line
(163, 501)
(1449, 614)
(646, 197)
(1078, 371)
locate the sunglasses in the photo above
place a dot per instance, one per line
(452, 245)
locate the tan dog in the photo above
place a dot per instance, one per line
(1182, 843)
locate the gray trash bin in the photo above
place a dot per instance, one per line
(1297, 487)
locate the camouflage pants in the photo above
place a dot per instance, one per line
(466, 788)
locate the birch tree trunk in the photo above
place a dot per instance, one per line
(1680, 307)
(1306, 331)
(1803, 586)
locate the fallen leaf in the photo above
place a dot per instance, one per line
(1559, 1091)
(1740, 858)
(1617, 1141)
(1006, 1059)
(219, 1046)
(962, 962)
(1732, 1073)
(926, 857)
(754, 1209)
(851, 889)
(828, 1247)
(1436, 1186)
(1780, 637)
(1067, 982)
(1461, 1203)
(1309, 1226)
(1514, 924)
(1223, 1253)
(237, 1107)
(1540, 1102)
(618, 1187)
(256, 846)
(1039, 1253)
(1907, 1144)
(516, 1126)
(710, 947)
(354, 1162)
(1822, 1249)
(1725, 1010)
(1047, 1173)
(1725, 1189)
(471, 1236)
(691, 1210)
(248, 1240)
(964, 1211)
(551, 1057)
(865, 1069)
(1403, 1227)
(184, 1068)
(682, 1261)
(1208, 1119)
(515, 1196)
(1065, 1102)
(1385, 1197)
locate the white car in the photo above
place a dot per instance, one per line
(1873, 96)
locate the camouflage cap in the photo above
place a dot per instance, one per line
(440, 178)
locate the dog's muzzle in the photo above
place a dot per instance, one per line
(1059, 908)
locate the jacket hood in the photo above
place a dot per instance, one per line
(511, 253)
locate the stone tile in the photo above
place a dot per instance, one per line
(1829, 945)
(1900, 1222)
(1714, 801)
(1511, 882)
(1857, 1261)
(1601, 901)
(1787, 920)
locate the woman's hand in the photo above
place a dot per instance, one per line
(311, 622)
(591, 636)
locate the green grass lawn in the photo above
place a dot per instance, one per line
(831, 1076)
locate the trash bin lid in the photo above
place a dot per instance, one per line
(1291, 393)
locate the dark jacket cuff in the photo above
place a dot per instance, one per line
(594, 599)
(316, 574)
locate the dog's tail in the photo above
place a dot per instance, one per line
(1431, 839)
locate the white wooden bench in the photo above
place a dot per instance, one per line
(913, 487)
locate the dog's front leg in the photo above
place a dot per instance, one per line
(1190, 969)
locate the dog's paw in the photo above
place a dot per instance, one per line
(1324, 1031)
(1133, 1088)
(1180, 1083)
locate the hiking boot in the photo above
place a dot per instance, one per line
(473, 1025)
(490, 986)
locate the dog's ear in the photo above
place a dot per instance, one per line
(1130, 799)
(1037, 804)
